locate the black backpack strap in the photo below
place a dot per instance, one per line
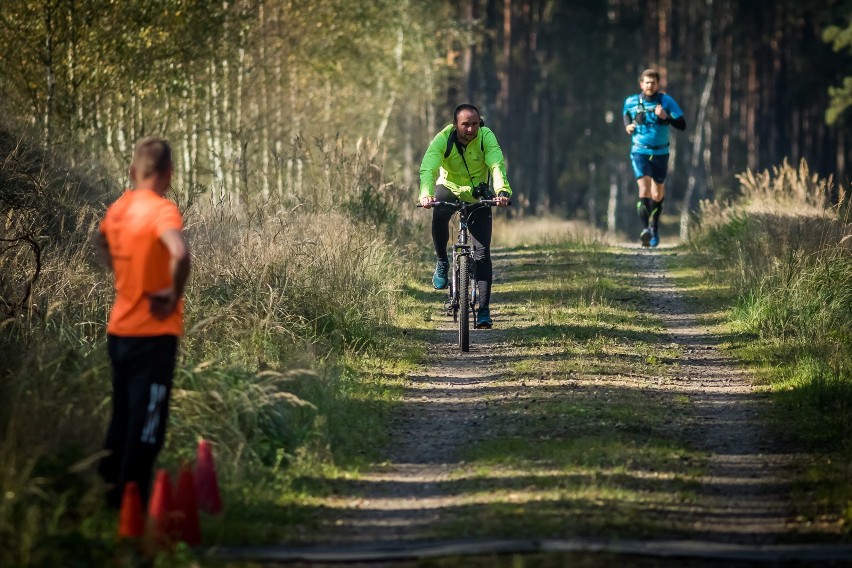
(450, 141)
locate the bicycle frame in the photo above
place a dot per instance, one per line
(462, 248)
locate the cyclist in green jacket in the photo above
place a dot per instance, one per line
(463, 162)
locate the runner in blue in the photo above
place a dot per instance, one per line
(647, 116)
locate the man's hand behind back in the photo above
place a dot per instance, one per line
(163, 303)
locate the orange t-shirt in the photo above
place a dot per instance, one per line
(132, 227)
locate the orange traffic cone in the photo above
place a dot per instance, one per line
(206, 484)
(160, 512)
(131, 521)
(189, 529)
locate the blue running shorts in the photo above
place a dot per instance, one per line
(654, 166)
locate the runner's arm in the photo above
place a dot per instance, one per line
(164, 302)
(674, 113)
(679, 123)
(175, 242)
(629, 125)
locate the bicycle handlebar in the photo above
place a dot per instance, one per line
(460, 204)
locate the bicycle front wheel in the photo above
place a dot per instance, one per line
(464, 302)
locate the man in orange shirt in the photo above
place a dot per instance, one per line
(141, 240)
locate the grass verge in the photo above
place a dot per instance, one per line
(781, 257)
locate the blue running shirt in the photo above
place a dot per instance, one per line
(651, 138)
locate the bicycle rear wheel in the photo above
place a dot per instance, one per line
(464, 302)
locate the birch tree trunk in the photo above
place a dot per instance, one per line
(591, 202)
(217, 189)
(184, 125)
(278, 165)
(96, 126)
(196, 124)
(50, 75)
(380, 134)
(109, 128)
(120, 131)
(431, 120)
(237, 131)
(223, 112)
(408, 151)
(612, 205)
(263, 114)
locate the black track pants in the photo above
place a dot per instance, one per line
(142, 372)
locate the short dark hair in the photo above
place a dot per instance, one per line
(652, 73)
(152, 155)
(461, 107)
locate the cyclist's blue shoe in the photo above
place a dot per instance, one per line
(645, 236)
(483, 319)
(655, 238)
(439, 279)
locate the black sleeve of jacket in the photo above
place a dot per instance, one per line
(679, 123)
(627, 119)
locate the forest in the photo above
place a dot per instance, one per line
(251, 91)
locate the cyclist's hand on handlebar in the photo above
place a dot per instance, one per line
(426, 201)
(501, 201)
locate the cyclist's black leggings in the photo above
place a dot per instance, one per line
(479, 226)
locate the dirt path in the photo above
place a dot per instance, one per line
(443, 406)
(451, 405)
(744, 488)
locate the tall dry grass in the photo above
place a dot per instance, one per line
(787, 244)
(528, 231)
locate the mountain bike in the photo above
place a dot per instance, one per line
(462, 291)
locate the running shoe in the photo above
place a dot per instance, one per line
(439, 279)
(655, 238)
(483, 319)
(646, 236)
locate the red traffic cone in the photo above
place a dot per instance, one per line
(131, 521)
(160, 512)
(206, 484)
(189, 530)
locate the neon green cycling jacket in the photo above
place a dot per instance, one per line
(481, 156)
